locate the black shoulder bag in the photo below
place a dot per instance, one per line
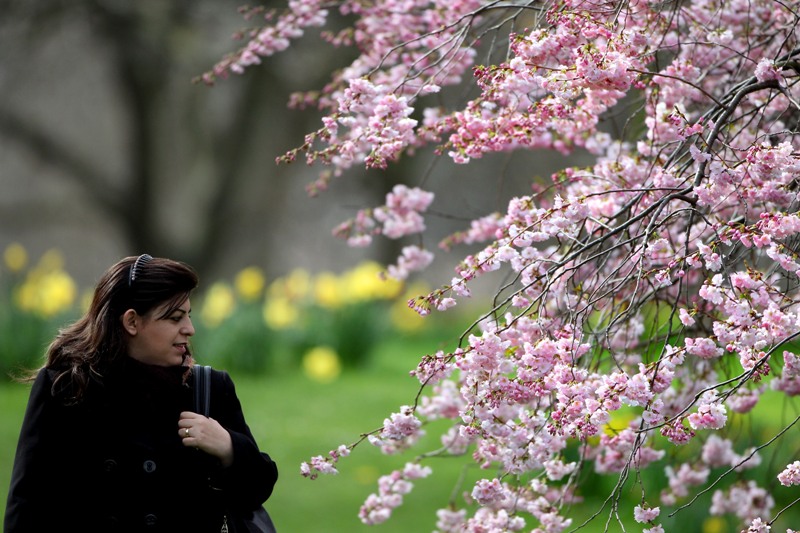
(257, 520)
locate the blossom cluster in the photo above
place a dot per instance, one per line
(391, 489)
(324, 465)
(661, 281)
(272, 38)
(400, 216)
(400, 431)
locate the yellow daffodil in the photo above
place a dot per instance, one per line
(365, 282)
(52, 260)
(280, 313)
(714, 524)
(298, 284)
(250, 283)
(218, 305)
(322, 364)
(46, 292)
(404, 318)
(295, 286)
(327, 290)
(58, 293)
(15, 257)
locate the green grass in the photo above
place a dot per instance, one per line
(294, 418)
(13, 398)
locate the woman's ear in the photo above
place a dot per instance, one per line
(130, 321)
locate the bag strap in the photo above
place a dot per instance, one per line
(202, 405)
(202, 389)
(260, 519)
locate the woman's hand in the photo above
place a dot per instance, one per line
(206, 434)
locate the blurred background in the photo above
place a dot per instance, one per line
(108, 149)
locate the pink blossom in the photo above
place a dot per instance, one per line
(758, 526)
(745, 500)
(712, 292)
(556, 469)
(645, 514)
(703, 347)
(399, 432)
(686, 318)
(684, 478)
(718, 452)
(401, 214)
(449, 521)
(378, 507)
(789, 381)
(490, 493)
(412, 259)
(790, 475)
(712, 415)
(318, 465)
(697, 155)
(401, 425)
(766, 70)
(743, 400)
(622, 288)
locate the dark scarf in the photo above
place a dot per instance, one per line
(153, 384)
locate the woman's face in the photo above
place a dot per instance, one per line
(158, 339)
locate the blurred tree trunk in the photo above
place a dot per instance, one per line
(187, 172)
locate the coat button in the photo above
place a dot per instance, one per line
(149, 466)
(109, 465)
(150, 520)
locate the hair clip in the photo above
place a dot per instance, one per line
(140, 261)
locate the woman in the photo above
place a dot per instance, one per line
(110, 441)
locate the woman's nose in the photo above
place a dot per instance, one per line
(188, 329)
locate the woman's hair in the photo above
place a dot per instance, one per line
(87, 348)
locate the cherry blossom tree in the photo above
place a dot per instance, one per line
(657, 285)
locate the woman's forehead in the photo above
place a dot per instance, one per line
(170, 306)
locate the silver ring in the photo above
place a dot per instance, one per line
(185, 432)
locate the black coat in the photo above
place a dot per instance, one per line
(115, 462)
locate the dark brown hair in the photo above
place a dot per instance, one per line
(87, 348)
